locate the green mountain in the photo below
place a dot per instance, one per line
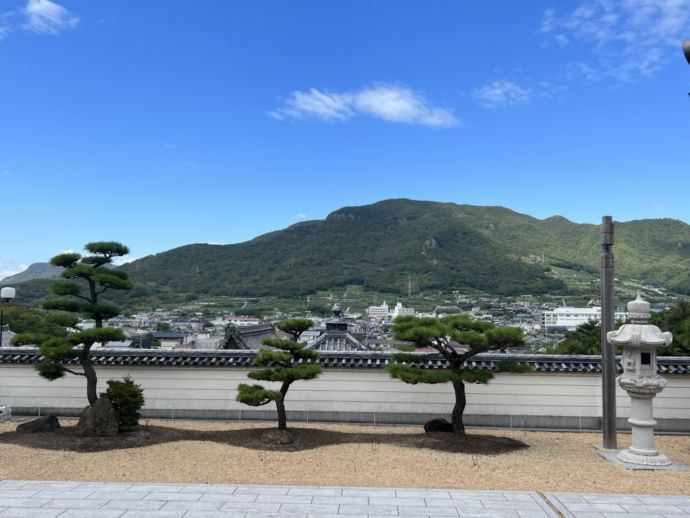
(430, 245)
(434, 246)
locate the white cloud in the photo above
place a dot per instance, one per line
(39, 16)
(625, 39)
(301, 215)
(502, 93)
(119, 261)
(45, 16)
(11, 267)
(389, 102)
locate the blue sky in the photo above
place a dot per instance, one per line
(161, 123)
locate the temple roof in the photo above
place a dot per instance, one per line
(247, 337)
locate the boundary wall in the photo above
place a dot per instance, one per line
(360, 392)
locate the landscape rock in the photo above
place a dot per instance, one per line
(438, 425)
(46, 423)
(99, 419)
(277, 437)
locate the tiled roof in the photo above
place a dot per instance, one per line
(351, 360)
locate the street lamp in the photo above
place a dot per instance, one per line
(6, 295)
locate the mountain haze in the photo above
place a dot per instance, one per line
(431, 245)
(34, 271)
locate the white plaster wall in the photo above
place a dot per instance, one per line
(344, 390)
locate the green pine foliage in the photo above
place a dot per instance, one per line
(284, 362)
(127, 398)
(585, 339)
(87, 278)
(456, 339)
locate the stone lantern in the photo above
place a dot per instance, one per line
(639, 341)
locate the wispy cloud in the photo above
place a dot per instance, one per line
(625, 39)
(119, 261)
(388, 102)
(45, 16)
(39, 16)
(301, 215)
(10, 267)
(502, 93)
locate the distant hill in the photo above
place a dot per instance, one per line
(431, 245)
(34, 271)
(435, 246)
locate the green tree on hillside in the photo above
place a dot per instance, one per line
(677, 321)
(79, 296)
(472, 336)
(284, 362)
(28, 321)
(585, 339)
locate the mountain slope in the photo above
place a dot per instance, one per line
(440, 246)
(386, 245)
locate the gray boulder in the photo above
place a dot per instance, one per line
(99, 419)
(46, 423)
(438, 425)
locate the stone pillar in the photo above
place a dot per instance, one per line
(640, 380)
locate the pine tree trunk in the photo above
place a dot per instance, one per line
(91, 382)
(282, 417)
(280, 406)
(459, 408)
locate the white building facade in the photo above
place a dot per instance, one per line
(381, 311)
(569, 319)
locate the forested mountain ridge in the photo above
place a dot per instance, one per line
(431, 245)
(394, 245)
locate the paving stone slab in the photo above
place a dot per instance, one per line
(134, 505)
(573, 505)
(316, 491)
(135, 513)
(223, 498)
(50, 499)
(31, 513)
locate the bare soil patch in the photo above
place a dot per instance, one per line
(331, 454)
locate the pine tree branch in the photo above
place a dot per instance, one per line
(73, 372)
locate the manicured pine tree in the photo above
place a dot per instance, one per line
(89, 272)
(284, 362)
(476, 336)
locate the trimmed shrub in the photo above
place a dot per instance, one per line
(127, 398)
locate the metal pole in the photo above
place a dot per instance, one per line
(1, 325)
(608, 357)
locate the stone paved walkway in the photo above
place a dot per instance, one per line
(32, 499)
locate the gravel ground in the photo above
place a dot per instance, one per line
(341, 455)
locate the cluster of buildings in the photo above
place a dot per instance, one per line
(341, 332)
(383, 312)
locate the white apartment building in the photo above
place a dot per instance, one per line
(378, 311)
(383, 311)
(400, 310)
(568, 319)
